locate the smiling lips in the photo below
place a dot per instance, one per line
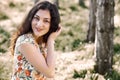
(38, 29)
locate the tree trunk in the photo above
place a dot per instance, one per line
(35, 1)
(92, 22)
(104, 35)
(56, 2)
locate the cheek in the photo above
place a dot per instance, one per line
(32, 24)
(48, 28)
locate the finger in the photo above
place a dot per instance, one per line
(59, 31)
(59, 28)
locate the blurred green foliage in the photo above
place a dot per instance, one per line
(73, 34)
(117, 31)
(79, 74)
(71, 38)
(82, 4)
(3, 16)
(1, 72)
(117, 48)
(12, 5)
(74, 8)
(113, 75)
(4, 42)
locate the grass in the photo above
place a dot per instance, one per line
(79, 74)
(3, 16)
(3, 50)
(1, 72)
(74, 8)
(18, 6)
(116, 57)
(21, 6)
(72, 37)
(4, 32)
(117, 48)
(3, 76)
(82, 4)
(12, 5)
(4, 41)
(114, 75)
(5, 70)
(117, 31)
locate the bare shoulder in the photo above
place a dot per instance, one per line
(26, 38)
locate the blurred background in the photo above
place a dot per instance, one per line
(75, 51)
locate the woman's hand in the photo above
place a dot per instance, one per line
(54, 35)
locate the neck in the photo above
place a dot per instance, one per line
(39, 40)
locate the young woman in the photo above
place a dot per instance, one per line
(33, 45)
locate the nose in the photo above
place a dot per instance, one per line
(40, 23)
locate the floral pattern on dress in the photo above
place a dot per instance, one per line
(23, 70)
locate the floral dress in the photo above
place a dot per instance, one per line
(23, 70)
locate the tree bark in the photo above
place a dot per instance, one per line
(104, 35)
(35, 1)
(92, 22)
(56, 2)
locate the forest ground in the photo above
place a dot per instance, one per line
(73, 62)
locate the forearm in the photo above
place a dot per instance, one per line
(50, 55)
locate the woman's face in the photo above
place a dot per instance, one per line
(41, 23)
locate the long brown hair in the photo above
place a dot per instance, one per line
(25, 27)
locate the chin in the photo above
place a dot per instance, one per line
(39, 35)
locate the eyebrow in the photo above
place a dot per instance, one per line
(45, 17)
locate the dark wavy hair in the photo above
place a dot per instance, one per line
(26, 25)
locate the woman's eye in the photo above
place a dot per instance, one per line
(36, 18)
(47, 21)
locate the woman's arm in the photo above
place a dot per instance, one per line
(36, 59)
(50, 50)
(33, 55)
(50, 60)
